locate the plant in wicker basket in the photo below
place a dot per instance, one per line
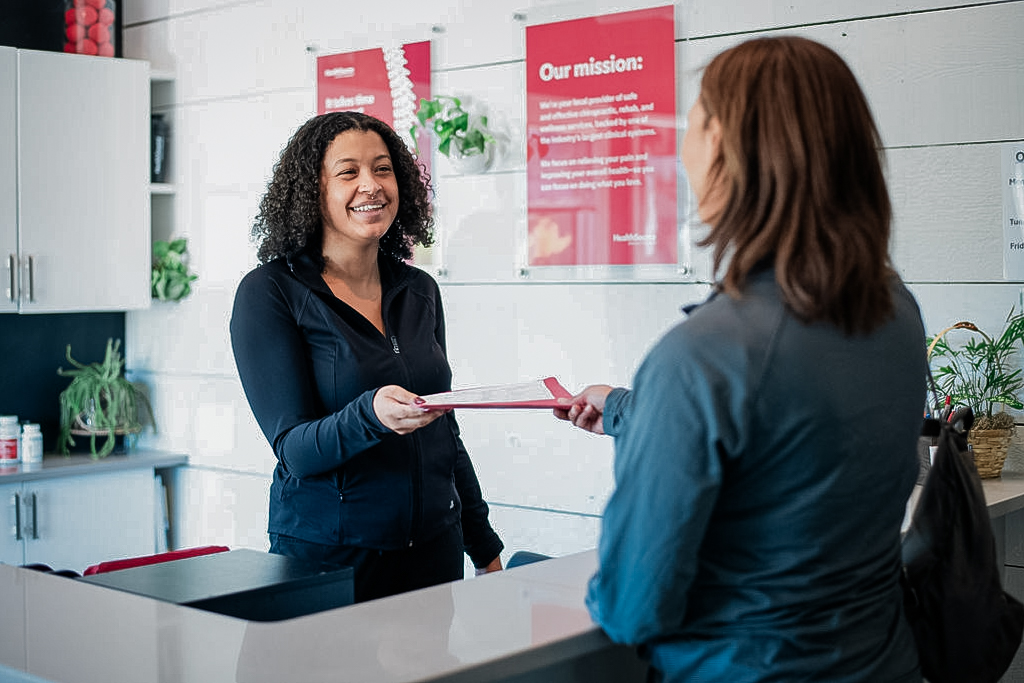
(984, 373)
(99, 401)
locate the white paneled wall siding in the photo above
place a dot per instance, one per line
(946, 81)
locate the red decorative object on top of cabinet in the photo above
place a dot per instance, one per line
(89, 27)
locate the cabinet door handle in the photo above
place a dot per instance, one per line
(17, 517)
(32, 281)
(35, 517)
(12, 270)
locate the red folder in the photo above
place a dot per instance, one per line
(543, 393)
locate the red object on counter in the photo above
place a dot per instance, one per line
(114, 565)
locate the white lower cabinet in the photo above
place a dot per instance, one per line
(77, 521)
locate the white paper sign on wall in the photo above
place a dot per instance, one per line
(1013, 210)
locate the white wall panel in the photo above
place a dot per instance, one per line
(481, 225)
(331, 27)
(236, 50)
(482, 334)
(544, 532)
(703, 18)
(152, 10)
(232, 145)
(221, 253)
(163, 345)
(583, 334)
(531, 458)
(964, 69)
(220, 508)
(986, 305)
(481, 33)
(152, 43)
(208, 419)
(947, 211)
(935, 78)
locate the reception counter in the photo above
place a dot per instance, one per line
(524, 624)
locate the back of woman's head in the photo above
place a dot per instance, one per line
(290, 218)
(801, 171)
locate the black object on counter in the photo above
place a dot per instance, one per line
(247, 584)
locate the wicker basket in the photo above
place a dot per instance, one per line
(990, 447)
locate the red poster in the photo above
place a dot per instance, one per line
(383, 82)
(601, 140)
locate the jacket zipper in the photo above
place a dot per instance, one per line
(417, 494)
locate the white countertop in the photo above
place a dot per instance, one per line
(484, 628)
(1004, 494)
(54, 465)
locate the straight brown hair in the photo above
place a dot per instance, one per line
(801, 167)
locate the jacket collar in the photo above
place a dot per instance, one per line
(762, 270)
(308, 266)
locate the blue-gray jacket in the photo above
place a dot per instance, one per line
(762, 469)
(310, 366)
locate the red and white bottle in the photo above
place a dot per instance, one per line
(9, 432)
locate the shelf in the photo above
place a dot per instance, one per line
(161, 75)
(161, 188)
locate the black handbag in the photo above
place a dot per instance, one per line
(967, 628)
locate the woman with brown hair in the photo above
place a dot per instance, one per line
(764, 457)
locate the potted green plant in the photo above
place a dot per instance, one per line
(99, 401)
(462, 136)
(171, 280)
(984, 373)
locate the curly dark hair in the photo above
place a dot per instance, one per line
(289, 217)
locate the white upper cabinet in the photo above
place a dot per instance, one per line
(8, 180)
(74, 182)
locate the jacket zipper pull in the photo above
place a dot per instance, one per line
(394, 344)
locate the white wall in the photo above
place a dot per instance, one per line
(946, 81)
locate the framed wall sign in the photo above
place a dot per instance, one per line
(601, 141)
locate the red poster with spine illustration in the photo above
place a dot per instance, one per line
(601, 140)
(386, 83)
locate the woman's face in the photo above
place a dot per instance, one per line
(701, 147)
(358, 188)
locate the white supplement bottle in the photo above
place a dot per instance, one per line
(31, 443)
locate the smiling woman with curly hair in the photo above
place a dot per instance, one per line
(289, 216)
(335, 338)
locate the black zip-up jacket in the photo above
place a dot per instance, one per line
(310, 366)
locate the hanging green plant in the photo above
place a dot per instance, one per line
(99, 401)
(459, 134)
(171, 279)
